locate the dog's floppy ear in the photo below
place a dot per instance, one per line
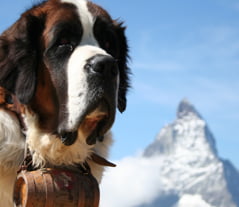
(123, 68)
(18, 57)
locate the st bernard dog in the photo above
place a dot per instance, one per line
(65, 64)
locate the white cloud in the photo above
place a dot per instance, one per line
(135, 181)
(192, 201)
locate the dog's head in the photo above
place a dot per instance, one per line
(66, 60)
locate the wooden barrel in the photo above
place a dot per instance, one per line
(56, 188)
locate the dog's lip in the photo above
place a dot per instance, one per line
(68, 138)
(93, 124)
(91, 127)
(92, 120)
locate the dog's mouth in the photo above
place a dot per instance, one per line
(95, 122)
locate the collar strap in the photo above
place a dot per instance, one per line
(101, 161)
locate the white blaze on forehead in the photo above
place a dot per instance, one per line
(87, 21)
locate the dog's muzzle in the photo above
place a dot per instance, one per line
(99, 113)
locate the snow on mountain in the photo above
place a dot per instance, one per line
(181, 168)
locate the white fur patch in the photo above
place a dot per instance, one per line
(12, 141)
(12, 145)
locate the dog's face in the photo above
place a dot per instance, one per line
(66, 61)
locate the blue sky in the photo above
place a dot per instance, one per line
(178, 49)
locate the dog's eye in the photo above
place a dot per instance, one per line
(107, 45)
(109, 42)
(64, 43)
(64, 47)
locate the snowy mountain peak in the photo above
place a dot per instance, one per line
(185, 108)
(188, 133)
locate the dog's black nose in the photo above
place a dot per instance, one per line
(103, 65)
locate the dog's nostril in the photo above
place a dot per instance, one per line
(88, 66)
(103, 65)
